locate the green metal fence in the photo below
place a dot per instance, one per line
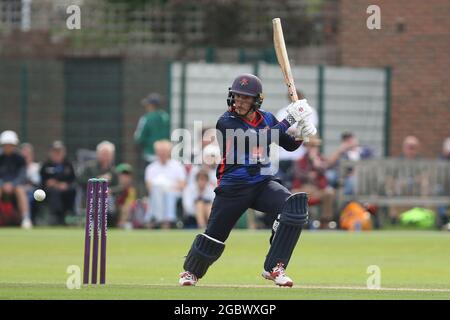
(83, 101)
(80, 101)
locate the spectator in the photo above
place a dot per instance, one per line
(208, 138)
(410, 148)
(198, 197)
(12, 178)
(165, 178)
(309, 177)
(288, 158)
(210, 160)
(153, 126)
(349, 149)
(446, 149)
(58, 181)
(410, 151)
(33, 177)
(443, 210)
(101, 167)
(125, 196)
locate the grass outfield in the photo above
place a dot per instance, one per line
(145, 265)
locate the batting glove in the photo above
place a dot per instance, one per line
(304, 130)
(299, 110)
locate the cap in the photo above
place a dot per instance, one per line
(57, 145)
(9, 137)
(124, 168)
(152, 98)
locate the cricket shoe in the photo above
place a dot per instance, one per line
(187, 279)
(26, 224)
(278, 275)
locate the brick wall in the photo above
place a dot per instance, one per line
(420, 61)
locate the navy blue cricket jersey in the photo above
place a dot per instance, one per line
(253, 157)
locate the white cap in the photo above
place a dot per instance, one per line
(9, 137)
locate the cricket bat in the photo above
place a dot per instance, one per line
(283, 60)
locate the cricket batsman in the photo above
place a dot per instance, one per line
(243, 181)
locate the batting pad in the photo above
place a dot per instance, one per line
(204, 251)
(293, 215)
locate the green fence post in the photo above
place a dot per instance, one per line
(210, 54)
(183, 96)
(320, 100)
(169, 93)
(387, 112)
(242, 56)
(256, 69)
(24, 102)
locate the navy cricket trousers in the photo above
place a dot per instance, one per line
(231, 202)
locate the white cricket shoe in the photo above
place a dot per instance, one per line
(26, 224)
(278, 275)
(187, 279)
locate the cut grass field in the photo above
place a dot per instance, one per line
(145, 264)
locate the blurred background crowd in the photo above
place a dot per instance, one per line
(71, 107)
(178, 195)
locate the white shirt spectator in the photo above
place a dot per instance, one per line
(192, 193)
(193, 174)
(33, 174)
(167, 176)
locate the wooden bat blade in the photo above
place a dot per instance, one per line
(283, 59)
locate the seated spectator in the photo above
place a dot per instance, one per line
(443, 210)
(101, 167)
(349, 149)
(12, 180)
(410, 151)
(198, 197)
(210, 160)
(210, 157)
(58, 181)
(165, 179)
(33, 177)
(207, 139)
(309, 177)
(446, 150)
(125, 196)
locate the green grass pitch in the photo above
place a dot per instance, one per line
(145, 264)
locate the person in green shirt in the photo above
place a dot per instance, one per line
(152, 126)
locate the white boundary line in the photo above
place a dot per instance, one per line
(262, 286)
(241, 286)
